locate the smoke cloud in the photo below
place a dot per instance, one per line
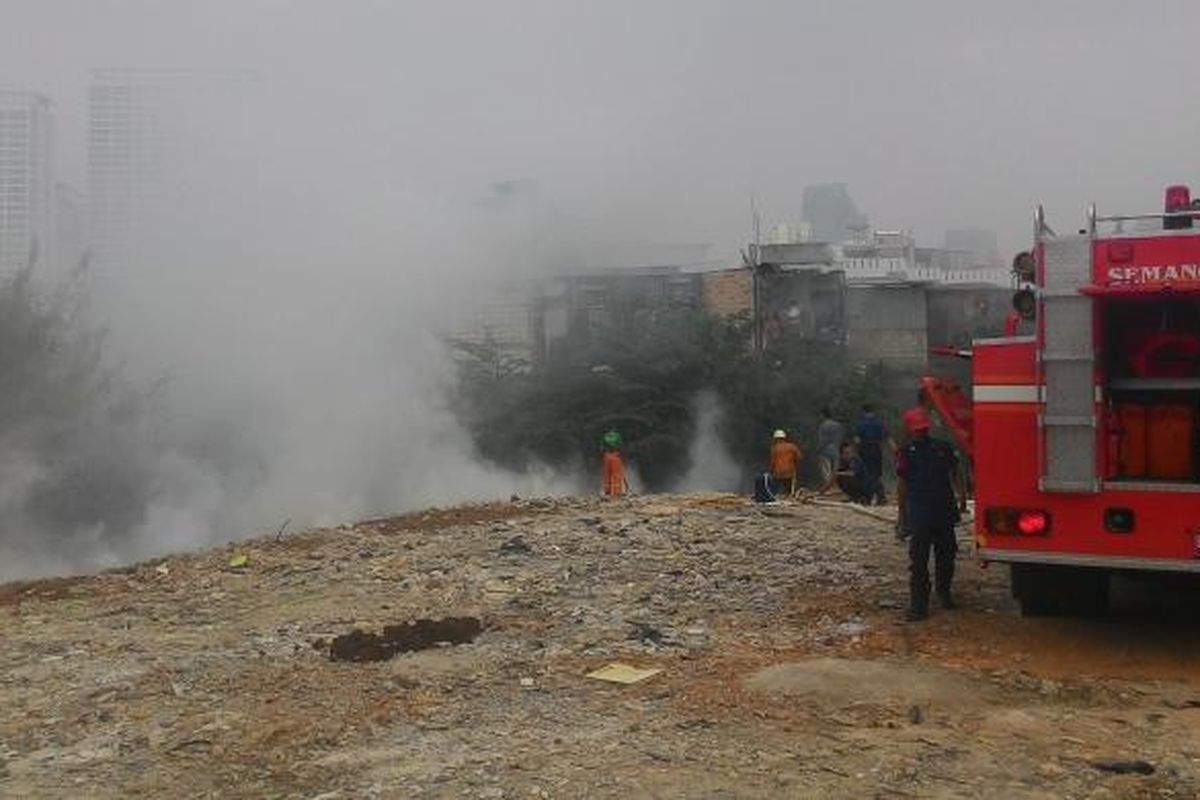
(712, 467)
(276, 339)
(288, 315)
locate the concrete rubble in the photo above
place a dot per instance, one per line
(786, 670)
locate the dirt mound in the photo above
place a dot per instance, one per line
(866, 681)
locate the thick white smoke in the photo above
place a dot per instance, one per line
(712, 467)
(291, 312)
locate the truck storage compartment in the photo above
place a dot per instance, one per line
(1170, 449)
(1151, 340)
(1152, 379)
(1131, 424)
(1166, 355)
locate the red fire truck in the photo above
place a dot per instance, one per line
(1082, 433)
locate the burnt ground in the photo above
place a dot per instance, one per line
(786, 668)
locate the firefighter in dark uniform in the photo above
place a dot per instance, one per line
(931, 503)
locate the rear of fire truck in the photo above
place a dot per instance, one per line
(1084, 431)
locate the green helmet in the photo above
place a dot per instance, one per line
(612, 439)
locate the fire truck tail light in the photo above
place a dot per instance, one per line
(997, 520)
(1033, 523)
(1017, 521)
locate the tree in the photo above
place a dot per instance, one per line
(73, 437)
(642, 379)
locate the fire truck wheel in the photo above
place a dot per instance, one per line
(1089, 592)
(1035, 589)
(1047, 590)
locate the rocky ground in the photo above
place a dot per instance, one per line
(786, 670)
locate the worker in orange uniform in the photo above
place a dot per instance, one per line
(785, 464)
(612, 467)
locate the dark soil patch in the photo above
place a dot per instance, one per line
(360, 646)
(438, 518)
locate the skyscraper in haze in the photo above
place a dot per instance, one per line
(132, 117)
(26, 179)
(70, 226)
(150, 132)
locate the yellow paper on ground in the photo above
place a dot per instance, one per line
(622, 673)
(239, 560)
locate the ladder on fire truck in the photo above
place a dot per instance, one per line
(1066, 347)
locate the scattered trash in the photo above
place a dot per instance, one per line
(423, 634)
(259, 639)
(189, 744)
(516, 546)
(1179, 704)
(623, 673)
(239, 561)
(644, 632)
(853, 628)
(1124, 767)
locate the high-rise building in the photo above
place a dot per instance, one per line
(70, 226)
(132, 118)
(26, 180)
(149, 133)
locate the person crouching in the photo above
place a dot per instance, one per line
(785, 465)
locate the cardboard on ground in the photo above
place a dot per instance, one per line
(622, 673)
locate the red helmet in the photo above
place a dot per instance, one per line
(917, 420)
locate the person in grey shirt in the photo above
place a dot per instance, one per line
(829, 447)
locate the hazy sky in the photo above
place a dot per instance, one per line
(655, 120)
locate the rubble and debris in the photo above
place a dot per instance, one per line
(784, 670)
(645, 632)
(516, 546)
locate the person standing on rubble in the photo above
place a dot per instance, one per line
(615, 483)
(829, 448)
(870, 435)
(931, 502)
(785, 460)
